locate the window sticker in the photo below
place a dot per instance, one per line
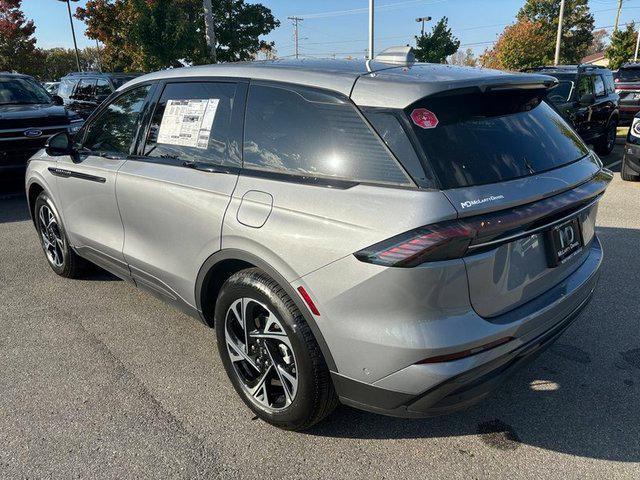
(188, 122)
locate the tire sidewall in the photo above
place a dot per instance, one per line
(44, 199)
(298, 411)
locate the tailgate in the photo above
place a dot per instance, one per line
(509, 269)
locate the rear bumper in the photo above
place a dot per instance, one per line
(467, 381)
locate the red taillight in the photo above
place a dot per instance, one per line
(307, 298)
(441, 241)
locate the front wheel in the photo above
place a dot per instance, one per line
(53, 238)
(604, 145)
(270, 354)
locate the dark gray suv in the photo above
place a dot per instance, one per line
(391, 235)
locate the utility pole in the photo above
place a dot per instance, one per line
(559, 36)
(210, 32)
(73, 33)
(635, 56)
(615, 25)
(296, 21)
(371, 18)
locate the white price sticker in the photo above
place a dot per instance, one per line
(188, 122)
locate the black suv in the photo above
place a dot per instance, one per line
(84, 91)
(28, 117)
(627, 80)
(630, 169)
(586, 98)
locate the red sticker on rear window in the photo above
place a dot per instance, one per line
(424, 118)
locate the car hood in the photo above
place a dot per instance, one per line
(38, 115)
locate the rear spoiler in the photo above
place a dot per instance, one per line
(400, 87)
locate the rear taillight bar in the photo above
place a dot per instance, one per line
(454, 238)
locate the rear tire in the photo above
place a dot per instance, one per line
(604, 145)
(53, 239)
(627, 174)
(274, 361)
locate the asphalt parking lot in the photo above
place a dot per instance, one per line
(101, 380)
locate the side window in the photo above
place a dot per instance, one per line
(392, 133)
(308, 132)
(103, 89)
(114, 129)
(66, 87)
(85, 88)
(599, 86)
(192, 121)
(585, 85)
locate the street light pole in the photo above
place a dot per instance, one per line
(73, 33)
(371, 27)
(635, 56)
(559, 36)
(422, 19)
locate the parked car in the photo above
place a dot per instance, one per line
(28, 117)
(630, 168)
(586, 98)
(51, 87)
(627, 81)
(391, 235)
(84, 91)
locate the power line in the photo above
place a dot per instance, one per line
(389, 6)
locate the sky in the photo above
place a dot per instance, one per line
(340, 27)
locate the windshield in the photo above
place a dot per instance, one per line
(18, 91)
(562, 93)
(628, 75)
(475, 139)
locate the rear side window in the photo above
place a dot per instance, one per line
(493, 137)
(103, 88)
(193, 122)
(311, 133)
(608, 83)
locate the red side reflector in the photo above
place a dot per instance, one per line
(305, 296)
(465, 353)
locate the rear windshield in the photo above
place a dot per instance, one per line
(628, 75)
(492, 137)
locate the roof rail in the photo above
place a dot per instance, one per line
(400, 55)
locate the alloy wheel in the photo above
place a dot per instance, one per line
(261, 354)
(51, 236)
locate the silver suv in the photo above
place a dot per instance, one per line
(397, 237)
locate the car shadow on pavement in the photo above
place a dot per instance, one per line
(580, 397)
(13, 208)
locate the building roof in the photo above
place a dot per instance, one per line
(371, 83)
(594, 57)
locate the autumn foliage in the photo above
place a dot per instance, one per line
(17, 44)
(518, 47)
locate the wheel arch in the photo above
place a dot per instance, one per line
(34, 189)
(224, 263)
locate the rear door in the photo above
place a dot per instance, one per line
(87, 181)
(515, 171)
(584, 120)
(603, 107)
(83, 97)
(174, 193)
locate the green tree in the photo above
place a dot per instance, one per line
(577, 28)
(622, 47)
(17, 44)
(516, 48)
(150, 35)
(436, 46)
(55, 63)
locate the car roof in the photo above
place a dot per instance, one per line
(368, 83)
(102, 74)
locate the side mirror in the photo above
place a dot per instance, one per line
(587, 99)
(57, 100)
(58, 145)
